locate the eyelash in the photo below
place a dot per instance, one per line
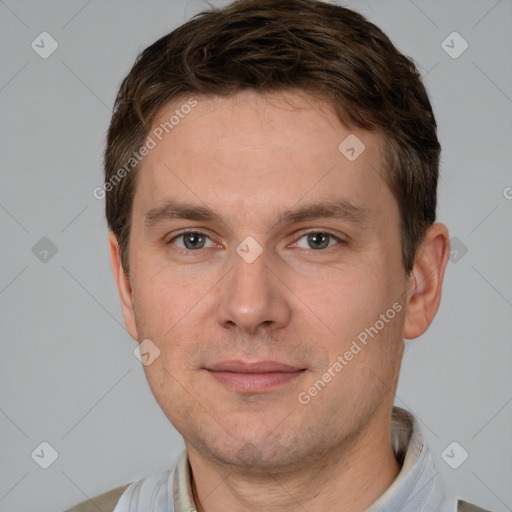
(303, 234)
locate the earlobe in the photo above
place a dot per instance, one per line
(123, 286)
(426, 281)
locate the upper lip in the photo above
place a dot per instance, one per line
(238, 366)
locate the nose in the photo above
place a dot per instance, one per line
(252, 298)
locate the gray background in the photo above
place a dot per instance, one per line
(68, 373)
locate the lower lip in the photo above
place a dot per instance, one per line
(255, 382)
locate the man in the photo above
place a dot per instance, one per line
(271, 174)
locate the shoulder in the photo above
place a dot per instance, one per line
(105, 502)
(464, 506)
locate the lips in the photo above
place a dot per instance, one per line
(256, 377)
(238, 366)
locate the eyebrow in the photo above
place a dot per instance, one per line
(338, 209)
(179, 210)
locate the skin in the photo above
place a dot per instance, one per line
(250, 157)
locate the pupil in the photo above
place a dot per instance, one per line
(318, 240)
(193, 240)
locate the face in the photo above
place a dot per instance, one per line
(265, 266)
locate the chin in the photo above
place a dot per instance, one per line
(253, 452)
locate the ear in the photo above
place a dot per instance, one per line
(123, 286)
(426, 280)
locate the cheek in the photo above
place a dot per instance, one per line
(162, 302)
(353, 299)
(367, 309)
(174, 314)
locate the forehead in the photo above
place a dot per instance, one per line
(257, 152)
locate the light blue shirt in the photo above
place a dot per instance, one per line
(417, 488)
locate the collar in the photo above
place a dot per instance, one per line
(417, 487)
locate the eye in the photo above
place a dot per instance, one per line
(191, 240)
(317, 240)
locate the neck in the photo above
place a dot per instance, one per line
(350, 479)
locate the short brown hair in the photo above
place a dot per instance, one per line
(268, 45)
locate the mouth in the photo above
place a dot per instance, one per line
(258, 377)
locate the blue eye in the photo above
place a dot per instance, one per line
(195, 240)
(318, 240)
(191, 240)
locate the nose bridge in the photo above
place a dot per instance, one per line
(250, 274)
(251, 296)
